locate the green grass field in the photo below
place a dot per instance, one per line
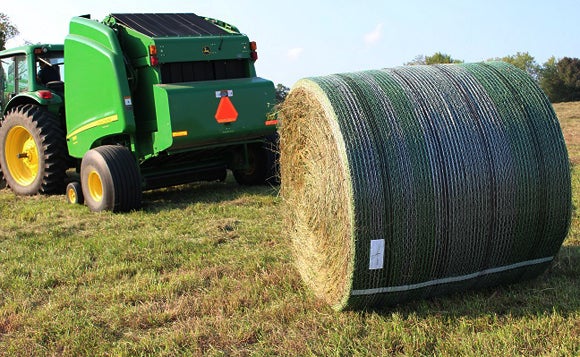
(203, 269)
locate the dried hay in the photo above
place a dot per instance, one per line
(316, 186)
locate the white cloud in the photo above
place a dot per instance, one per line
(374, 36)
(295, 53)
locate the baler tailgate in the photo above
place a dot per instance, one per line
(211, 113)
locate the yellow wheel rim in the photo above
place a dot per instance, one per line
(95, 186)
(72, 195)
(21, 156)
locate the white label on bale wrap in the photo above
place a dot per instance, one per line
(377, 256)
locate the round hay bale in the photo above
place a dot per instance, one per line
(411, 182)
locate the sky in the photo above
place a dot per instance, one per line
(304, 38)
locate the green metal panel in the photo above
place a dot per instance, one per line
(178, 49)
(144, 110)
(186, 112)
(205, 48)
(97, 90)
(135, 45)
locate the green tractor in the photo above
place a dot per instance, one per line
(144, 101)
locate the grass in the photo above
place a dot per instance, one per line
(203, 269)
(569, 114)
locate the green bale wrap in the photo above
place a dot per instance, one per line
(412, 182)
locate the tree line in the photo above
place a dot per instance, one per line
(558, 77)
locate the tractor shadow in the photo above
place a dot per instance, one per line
(183, 196)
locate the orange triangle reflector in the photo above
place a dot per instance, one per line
(226, 112)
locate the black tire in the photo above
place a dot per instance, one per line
(223, 176)
(33, 151)
(2, 181)
(257, 170)
(110, 179)
(74, 193)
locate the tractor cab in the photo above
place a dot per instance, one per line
(50, 69)
(32, 75)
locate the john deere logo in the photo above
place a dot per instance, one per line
(206, 50)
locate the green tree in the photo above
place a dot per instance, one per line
(570, 72)
(560, 79)
(524, 61)
(436, 58)
(550, 80)
(7, 30)
(439, 57)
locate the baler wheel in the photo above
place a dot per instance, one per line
(256, 172)
(110, 179)
(33, 147)
(74, 193)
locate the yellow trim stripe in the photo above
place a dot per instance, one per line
(104, 121)
(177, 134)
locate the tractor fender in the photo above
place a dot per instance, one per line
(53, 104)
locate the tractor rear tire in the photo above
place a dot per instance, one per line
(257, 170)
(110, 179)
(2, 180)
(33, 151)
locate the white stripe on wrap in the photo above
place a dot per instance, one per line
(454, 279)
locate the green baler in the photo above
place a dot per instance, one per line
(151, 100)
